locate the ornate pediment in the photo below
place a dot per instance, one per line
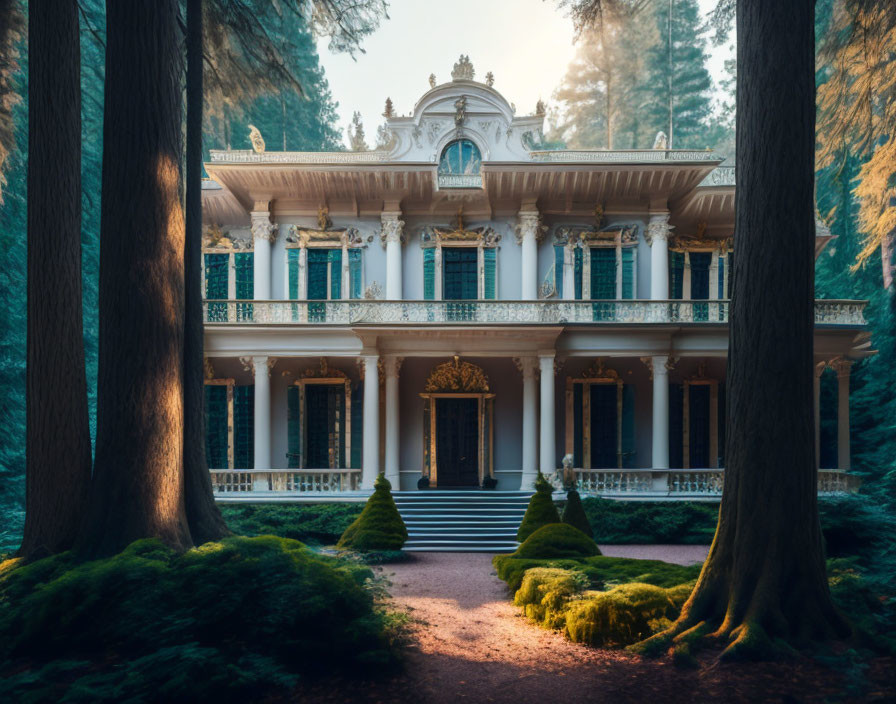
(433, 235)
(457, 376)
(323, 372)
(681, 243)
(585, 236)
(215, 238)
(325, 235)
(598, 370)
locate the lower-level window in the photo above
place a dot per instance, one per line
(229, 425)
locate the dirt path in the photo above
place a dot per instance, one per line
(472, 645)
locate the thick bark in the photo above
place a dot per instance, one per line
(58, 432)
(138, 482)
(765, 574)
(203, 516)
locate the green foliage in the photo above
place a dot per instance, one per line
(636, 523)
(541, 510)
(544, 592)
(253, 610)
(556, 540)
(310, 523)
(574, 513)
(379, 527)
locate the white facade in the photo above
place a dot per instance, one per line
(461, 305)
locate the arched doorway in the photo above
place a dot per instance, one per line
(458, 425)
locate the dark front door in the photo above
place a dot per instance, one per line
(604, 426)
(457, 441)
(324, 405)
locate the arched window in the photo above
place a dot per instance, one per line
(460, 157)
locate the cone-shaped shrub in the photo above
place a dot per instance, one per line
(574, 513)
(556, 541)
(541, 510)
(379, 527)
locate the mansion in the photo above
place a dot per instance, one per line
(461, 308)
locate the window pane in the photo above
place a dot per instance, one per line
(603, 273)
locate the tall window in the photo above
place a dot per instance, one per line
(228, 275)
(460, 157)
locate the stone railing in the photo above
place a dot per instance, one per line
(247, 156)
(599, 156)
(552, 312)
(460, 180)
(289, 481)
(721, 176)
(666, 484)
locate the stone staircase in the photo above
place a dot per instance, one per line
(461, 520)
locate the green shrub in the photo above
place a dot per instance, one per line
(645, 523)
(557, 540)
(541, 510)
(379, 527)
(544, 593)
(267, 605)
(574, 513)
(309, 523)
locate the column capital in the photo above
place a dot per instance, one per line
(392, 227)
(528, 366)
(658, 229)
(658, 363)
(367, 358)
(529, 223)
(257, 362)
(391, 365)
(842, 367)
(819, 368)
(262, 227)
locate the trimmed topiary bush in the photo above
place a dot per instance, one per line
(379, 527)
(541, 510)
(574, 513)
(556, 540)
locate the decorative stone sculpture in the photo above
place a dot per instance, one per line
(256, 139)
(463, 69)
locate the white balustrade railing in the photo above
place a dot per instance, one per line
(613, 156)
(683, 483)
(550, 312)
(460, 180)
(293, 481)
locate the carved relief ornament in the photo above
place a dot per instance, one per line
(457, 376)
(214, 238)
(433, 236)
(612, 235)
(695, 244)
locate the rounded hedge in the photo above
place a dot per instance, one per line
(379, 527)
(557, 540)
(574, 513)
(541, 510)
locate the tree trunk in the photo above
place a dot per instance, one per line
(765, 574)
(58, 431)
(138, 482)
(203, 516)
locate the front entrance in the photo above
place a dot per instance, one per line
(457, 441)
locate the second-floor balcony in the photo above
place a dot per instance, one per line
(550, 312)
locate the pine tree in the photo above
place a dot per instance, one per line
(356, 139)
(677, 86)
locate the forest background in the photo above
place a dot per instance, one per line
(616, 94)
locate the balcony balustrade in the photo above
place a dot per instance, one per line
(551, 312)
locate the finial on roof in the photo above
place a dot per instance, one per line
(661, 141)
(463, 69)
(255, 138)
(389, 111)
(432, 80)
(489, 79)
(540, 108)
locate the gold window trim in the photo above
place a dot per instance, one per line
(324, 376)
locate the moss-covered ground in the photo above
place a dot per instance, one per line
(313, 524)
(237, 618)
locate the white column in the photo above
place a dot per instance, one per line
(843, 368)
(660, 453)
(262, 430)
(391, 365)
(527, 236)
(264, 233)
(548, 464)
(528, 366)
(370, 455)
(816, 393)
(569, 272)
(658, 237)
(391, 237)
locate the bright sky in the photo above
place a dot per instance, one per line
(527, 44)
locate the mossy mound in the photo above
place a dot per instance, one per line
(574, 513)
(541, 510)
(321, 524)
(379, 527)
(557, 540)
(229, 618)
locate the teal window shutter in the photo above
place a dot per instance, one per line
(244, 427)
(603, 273)
(216, 426)
(429, 274)
(676, 425)
(578, 255)
(628, 272)
(628, 425)
(216, 285)
(318, 268)
(335, 274)
(489, 258)
(721, 293)
(292, 265)
(244, 263)
(676, 275)
(558, 269)
(357, 426)
(293, 428)
(354, 272)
